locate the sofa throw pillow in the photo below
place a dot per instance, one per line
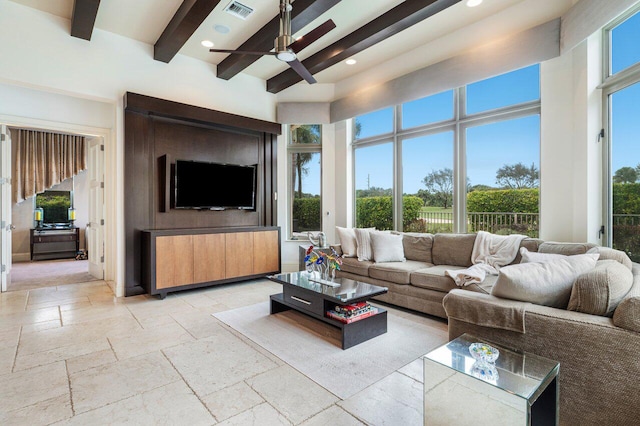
(363, 240)
(532, 256)
(416, 245)
(545, 283)
(348, 244)
(600, 290)
(387, 247)
(609, 253)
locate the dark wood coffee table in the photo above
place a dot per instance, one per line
(303, 292)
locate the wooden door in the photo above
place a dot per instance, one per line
(209, 257)
(266, 257)
(239, 253)
(174, 261)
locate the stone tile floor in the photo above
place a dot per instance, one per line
(75, 354)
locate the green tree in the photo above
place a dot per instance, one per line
(517, 176)
(374, 191)
(440, 184)
(625, 175)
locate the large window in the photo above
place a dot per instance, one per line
(621, 91)
(305, 179)
(463, 160)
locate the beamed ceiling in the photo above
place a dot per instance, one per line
(373, 32)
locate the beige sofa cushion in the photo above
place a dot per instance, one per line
(354, 266)
(417, 246)
(599, 291)
(609, 253)
(453, 249)
(547, 283)
(434, 278)
(531, 244)
(627, 314)
(568, 249)
(396, 272)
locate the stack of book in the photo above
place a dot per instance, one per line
(353, 312)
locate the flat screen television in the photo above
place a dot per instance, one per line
(214, 186)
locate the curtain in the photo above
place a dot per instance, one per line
(44, 159)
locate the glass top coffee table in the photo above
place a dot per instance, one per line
(328, 302)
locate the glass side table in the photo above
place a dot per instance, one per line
(516, 389)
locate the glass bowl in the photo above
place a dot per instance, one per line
(484, 352)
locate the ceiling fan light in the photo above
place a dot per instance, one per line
(207, 43)
(286, 56)
(473, 3)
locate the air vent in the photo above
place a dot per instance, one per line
(238, 10)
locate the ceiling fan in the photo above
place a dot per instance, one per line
(286, 47)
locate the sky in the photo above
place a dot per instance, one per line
(489, 146)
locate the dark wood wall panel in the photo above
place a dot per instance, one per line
(153, 140)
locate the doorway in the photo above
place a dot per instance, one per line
(56, 249)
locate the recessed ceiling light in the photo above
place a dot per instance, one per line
(350, 62)
(222, 29)
(473, 3)
(207, 43)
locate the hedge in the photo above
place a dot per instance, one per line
(377, 212)
(306, 214)
(504, 200)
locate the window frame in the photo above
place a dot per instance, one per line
(459, 124)
(611, 84)
(297, 148)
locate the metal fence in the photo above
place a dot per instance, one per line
(494, 222)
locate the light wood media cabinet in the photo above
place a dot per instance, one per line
(181, 259)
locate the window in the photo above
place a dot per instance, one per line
(55, 206)
(503, 164)
(621, 94)
(624, 44)
(428, 110)
(305, 179)
(374, 186)
(505, 90)
(373, 124)
(439, 162)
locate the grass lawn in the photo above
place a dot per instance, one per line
(431, 209)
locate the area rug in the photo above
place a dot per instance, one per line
(313, 347)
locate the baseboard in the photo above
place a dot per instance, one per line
(20, 257)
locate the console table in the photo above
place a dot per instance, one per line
(181, 259)
(54, 243)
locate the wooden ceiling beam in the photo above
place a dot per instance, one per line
(84, 18)
(184, 23)
(399, 18)
(304, 11)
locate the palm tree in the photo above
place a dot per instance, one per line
(303, 134)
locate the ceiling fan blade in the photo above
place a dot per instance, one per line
(312, 36)
(302, 71)
(242, 52)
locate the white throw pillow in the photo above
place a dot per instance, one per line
(348, 244)
(363, 251)
(387, 247)
(546, 283)
(532, 256)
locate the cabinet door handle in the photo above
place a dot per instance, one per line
(306, 302)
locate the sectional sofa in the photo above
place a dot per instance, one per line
(595, 336)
